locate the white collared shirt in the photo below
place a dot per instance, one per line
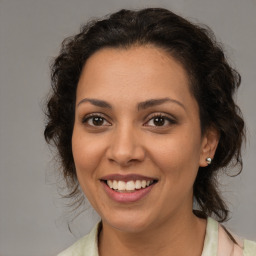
(216, 243)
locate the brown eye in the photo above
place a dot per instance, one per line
(159, 121)
(95, 120)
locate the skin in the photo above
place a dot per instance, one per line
(130, 141)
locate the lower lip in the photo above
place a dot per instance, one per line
(122, 197)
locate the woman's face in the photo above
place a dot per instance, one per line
(137, 129)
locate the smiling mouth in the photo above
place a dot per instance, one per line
(128, 186)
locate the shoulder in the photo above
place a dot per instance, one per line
(249, 248)
(86, 246)
(237, 245)
(220, 242)
(77, 248)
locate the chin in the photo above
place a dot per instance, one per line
(129, 223)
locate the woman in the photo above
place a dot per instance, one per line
(143, 118)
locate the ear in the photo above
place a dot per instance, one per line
(209, 145)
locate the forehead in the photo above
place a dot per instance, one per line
(138, 73)
(144, 58)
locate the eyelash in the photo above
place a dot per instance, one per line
(89, 117)
(167, 118)
(163, 116)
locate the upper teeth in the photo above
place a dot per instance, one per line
(129, 185)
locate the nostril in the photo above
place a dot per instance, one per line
(124, 161)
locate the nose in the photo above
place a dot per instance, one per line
(126, 147)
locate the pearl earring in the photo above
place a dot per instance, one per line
(208, 160)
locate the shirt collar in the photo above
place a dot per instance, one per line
(210, 241)
(211, 238)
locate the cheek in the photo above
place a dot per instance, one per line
(86, 153)
(177, 157)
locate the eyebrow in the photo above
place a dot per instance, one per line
(155, 102)
(96, 102)
(142, 105)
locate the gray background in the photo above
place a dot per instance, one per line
(33, 218)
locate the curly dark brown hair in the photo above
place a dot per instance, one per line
(213, 83)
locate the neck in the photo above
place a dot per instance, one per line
(167, 238)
